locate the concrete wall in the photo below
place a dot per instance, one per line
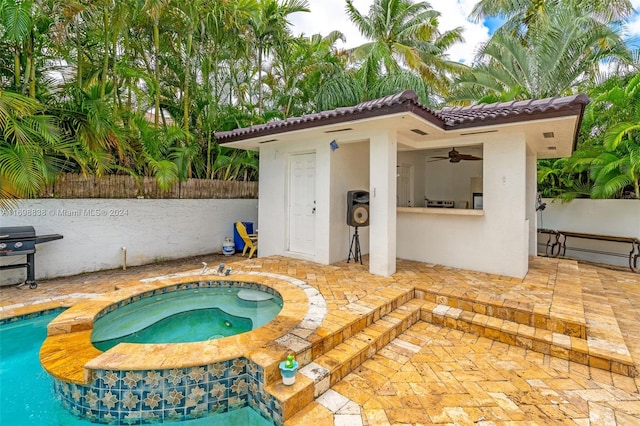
(95, 230)
(274, 198)
(496, 242)
(337, 172)
(605, 217)
(348, 172)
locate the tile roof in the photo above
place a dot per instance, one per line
(483, 114)
(449, 118)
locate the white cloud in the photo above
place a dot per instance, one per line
(329, 15)
(632, 28)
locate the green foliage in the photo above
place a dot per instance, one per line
(553, 62)
(32, 147)
(405, 43)
(140, 87)
(611, 131)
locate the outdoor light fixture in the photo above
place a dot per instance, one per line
(540, 206)
(334, 145)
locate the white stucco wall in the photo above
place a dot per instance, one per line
(604, 217)
(382, 207)
(274, 193)
(348, 172)
(532, 197)
(95, 230)
(496, 242)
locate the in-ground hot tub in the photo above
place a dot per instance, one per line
(187, 315)
(154, 382)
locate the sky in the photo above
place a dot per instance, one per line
(329, 15)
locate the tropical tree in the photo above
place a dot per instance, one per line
(300, 68)
(552, 62)
(403, 36)
(32, 147)
(25, 25)
(611, 149)
(268, 28)
(523, 18)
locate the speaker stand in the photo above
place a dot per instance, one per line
(354, 248)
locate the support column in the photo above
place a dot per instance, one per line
(382, 207)
(532, 193)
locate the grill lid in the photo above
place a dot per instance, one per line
(8, 233)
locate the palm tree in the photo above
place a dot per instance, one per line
(25, 26)
(155, 9)
(300, 68)
(567, 53)
(269, 27)
(612, 125)
(524, 17)
(404, 35)
(32, 147)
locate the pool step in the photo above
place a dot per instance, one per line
(327, 369)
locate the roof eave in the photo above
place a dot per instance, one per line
(228, 137)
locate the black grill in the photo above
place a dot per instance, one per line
(22, 240)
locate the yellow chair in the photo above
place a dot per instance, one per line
(250, 240)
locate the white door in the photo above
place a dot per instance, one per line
(302, 203)
(405, 186)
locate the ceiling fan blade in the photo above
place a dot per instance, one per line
(469, 157)
(437, 159)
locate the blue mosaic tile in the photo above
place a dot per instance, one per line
(130, 418)
(31, 315)
(155, 396)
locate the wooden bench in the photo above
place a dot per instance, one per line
(557, 245)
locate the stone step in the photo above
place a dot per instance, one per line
(605, 340)
(368, 335)
(616, 360)
(529, 314)
(348, 355)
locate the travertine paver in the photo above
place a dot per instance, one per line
(432, 374)
(461, 379)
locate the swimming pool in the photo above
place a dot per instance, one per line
(27, 397)
(189, 315)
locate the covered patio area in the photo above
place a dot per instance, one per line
(433, 344)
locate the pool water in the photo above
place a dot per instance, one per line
(190, 315)
(190, 326)
(26, 390)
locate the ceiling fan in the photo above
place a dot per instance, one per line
(455, 157)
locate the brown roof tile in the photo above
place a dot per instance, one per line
(516, 110)
(449, 118)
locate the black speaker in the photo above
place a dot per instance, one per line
(357, 208)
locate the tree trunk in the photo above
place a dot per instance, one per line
(17, 77)
(156, 80)
(105, 59)
(259, 80)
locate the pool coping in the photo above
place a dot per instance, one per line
(68, 354)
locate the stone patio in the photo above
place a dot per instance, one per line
(436, 345)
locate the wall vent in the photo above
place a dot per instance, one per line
(339, 130)
(478, 133)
